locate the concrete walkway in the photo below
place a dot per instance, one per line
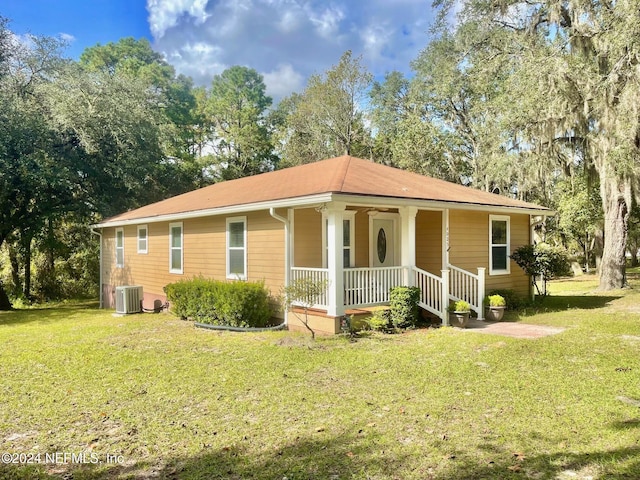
(512, 329)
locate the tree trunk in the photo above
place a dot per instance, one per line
(15, 268)
(5, 304)
(616, 223)
(27, 268)
(597, 248)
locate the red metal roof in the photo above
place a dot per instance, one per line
(341, 175)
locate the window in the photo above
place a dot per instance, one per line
(348, 239)
(499, 239)
(119, 247)
(175, 247)
(237, 248)
(142, 238)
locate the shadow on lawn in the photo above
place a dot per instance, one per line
(324, 457)
(338, 457)
(623, 463)
(561, 303)
(44, 314)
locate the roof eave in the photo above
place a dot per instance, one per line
(351, 199)
(232, 209)
(374, 200)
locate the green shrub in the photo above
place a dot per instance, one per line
(461, 306)
(236, 304)
(544, 261)
(495, 301)
(380, 320)
(511, 298)
(403, 303)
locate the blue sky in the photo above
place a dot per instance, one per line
(88, 22)
(284, 40)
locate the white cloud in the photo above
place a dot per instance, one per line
(283, 80)
(67, 37)
(164, 14)
(287, 40)
(326, 21)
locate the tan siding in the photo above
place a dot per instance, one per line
(469, 247)
(204, 253)
(362, 239)
(307, 226)
(429, 241)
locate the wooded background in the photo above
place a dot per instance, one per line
(538, 100)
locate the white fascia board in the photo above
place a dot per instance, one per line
(372, 201)
(234, 209)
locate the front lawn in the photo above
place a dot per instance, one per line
(166, 400)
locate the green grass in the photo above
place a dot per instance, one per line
(179, 402)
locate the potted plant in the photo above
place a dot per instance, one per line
(461, 311)
(495, 306)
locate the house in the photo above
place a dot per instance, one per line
(361, 226)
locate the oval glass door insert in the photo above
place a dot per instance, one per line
(382, 245)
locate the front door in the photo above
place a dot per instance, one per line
(383, 242)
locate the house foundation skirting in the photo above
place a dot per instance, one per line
(319, 321)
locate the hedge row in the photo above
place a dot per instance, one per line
(236, 304)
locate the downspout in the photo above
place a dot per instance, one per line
(287, 260)
(99, 234)
(533, 224)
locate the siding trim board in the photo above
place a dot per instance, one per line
(145, 249)
(506, 245)
(229, 248)
(119, 244)
(173, 248)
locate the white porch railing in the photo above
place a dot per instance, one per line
(314, 275)
(370, 286)
(432, 292)
(467, 286)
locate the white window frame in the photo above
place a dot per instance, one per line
(145, 239)
(499, 218)
(121, 247)
(228, 248)
(349, 215)
(172, 248)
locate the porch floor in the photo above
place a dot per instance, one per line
(512, 329)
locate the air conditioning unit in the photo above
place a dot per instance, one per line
(129, 299)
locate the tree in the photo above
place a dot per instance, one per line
(327, 119)
(456, 93)
(390, 105)
(633, 240)
(574, 82)
(236, 109)
(303, 292)
(542, 261)
(75, 143)
(175, 102)
(578, 214)
(34, 181)
(130, 57)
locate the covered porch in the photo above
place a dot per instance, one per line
(361, 251)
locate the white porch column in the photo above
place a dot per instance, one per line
(445, 297)
(445, 238)
(335, 257)
(408, 242)
(481, 289)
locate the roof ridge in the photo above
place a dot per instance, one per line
(346, 171)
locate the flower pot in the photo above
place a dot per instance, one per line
(494, 314)
(459, 319)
